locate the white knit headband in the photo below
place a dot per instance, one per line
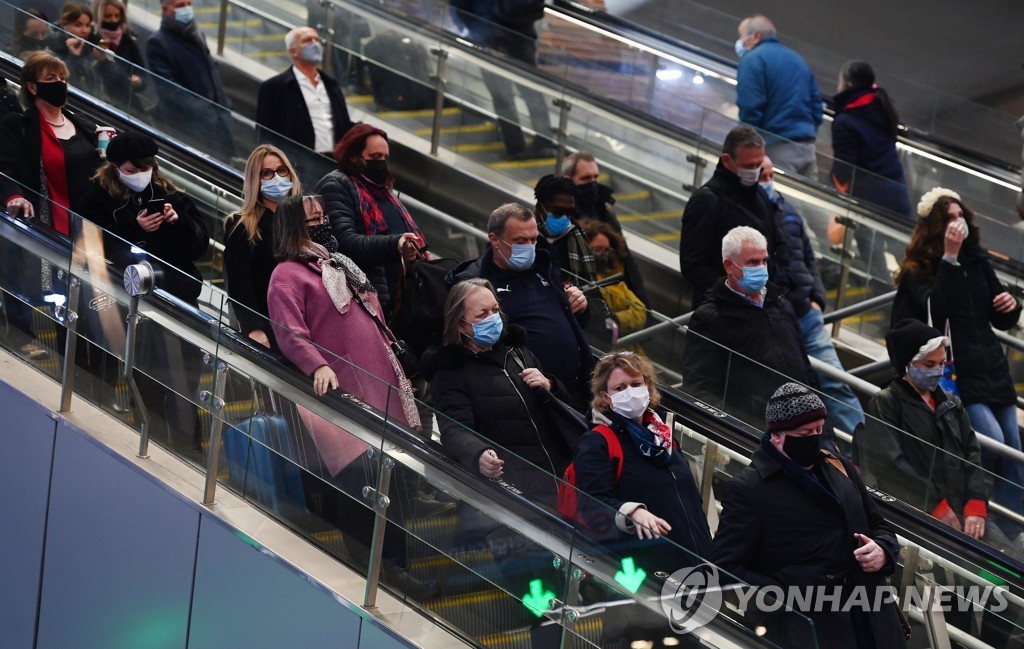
(932, 196)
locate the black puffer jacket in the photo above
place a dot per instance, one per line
(769, 351)
(376, 255)
(794, 259)
(924, 456)
(486, 405)
(963, 294)
(719, 206)
(173, 246)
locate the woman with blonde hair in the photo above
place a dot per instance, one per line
(633, 479)
(249, 259)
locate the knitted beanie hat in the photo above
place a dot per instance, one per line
(907, 339)
(791, 407)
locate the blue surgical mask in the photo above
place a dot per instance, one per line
(754, 278)
(740, 50)
(769, 188)
(184, 14)
(523, 255)
(557, 225)
(312, 53)
(923, 378)
(276, 189)
(487, 332)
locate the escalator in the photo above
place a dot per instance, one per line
(487, 561)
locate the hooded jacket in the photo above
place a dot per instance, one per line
(795, 265)
(929, 459)
(485, 405)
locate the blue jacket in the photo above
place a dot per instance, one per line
(776, 92)
(795, 268)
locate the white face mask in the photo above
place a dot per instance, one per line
(137, 181)
(632, 402)
(749, 177)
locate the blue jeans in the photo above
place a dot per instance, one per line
(843, 406)
(1000, 424)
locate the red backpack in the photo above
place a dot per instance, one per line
(568, 495)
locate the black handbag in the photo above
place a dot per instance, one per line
(410, 364)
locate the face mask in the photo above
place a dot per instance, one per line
(802, 450)
(632, 402)
(740, 50)
(54, 93)
(376, 170)
(137, 181)
(603, 262)
(754, 278)
(312, 53)
(487, 331)
(111, 34)
(111, 27)
(587, 194)
(523, 255)
(323, 235)
(184, 15)
(557, 225)
(276, 189)
(769, 188)
(748, 177)
(924, 379)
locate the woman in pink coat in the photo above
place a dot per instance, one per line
(325, 318)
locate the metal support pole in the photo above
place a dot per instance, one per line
(222, 27)
(710, 460)
(698, 172)
(569, 613)
(67, 382)
(138, 281)
(327, 27)
(214, 403)
(380, 501)
(844, 264)
(439, 87)
(911, 561)
(562, 133)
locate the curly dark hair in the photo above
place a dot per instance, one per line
(924, 252)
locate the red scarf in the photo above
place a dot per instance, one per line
(370, 193)
(55, 174)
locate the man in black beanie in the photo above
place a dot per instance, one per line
(799, 517)
(917, 444)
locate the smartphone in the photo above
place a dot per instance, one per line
(155, 206)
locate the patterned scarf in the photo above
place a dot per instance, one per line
(582, 265)
(340, 276)
(370, 195)
(653, 439)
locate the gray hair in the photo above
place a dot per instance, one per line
(500, 216)
(928, 348)
(289, 38)
(732, 242)
(455, 308)
(742, 137)
(760, 23)
(570, 162)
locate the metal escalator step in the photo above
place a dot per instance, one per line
(651, 216)
(590, 628)
(486, 127)
(665, 237)
(477, 146)
(644, 194)
(331, 540)
(523, 164)
(484, 612)
(426, 112)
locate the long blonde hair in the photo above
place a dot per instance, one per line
(249, 216)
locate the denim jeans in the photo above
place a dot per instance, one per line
(843, 406)
(1000, 423)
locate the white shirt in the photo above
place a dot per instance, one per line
(318, 104)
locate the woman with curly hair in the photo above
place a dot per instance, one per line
(947, 277)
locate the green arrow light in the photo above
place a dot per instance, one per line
(630, 577)
(538, 599)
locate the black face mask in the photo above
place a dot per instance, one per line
(110, 26)
(376, 170)
(587, 194)
(604, 262)
(805, 451)
(54, 93)
(322, 234)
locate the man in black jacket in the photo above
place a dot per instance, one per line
(745, 338)
(531, 293)
(732, 197)
(799, 517)
(302, 105)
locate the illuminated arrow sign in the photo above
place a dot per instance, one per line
(630, 577)
(538, 599)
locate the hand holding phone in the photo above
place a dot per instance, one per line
(155, 206)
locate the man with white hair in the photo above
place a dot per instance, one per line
(747, 314)
(776, 93)
(302, 105)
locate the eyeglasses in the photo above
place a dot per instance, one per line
(267, 174)
(316, 219)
